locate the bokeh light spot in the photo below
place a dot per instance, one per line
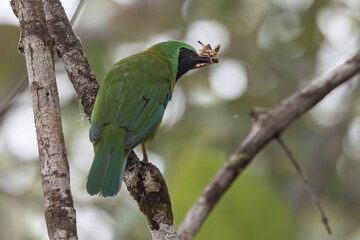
(175, 109)
(228, 79)
(208, 31)
(18, 133)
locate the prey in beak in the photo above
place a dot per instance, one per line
(209, 53)
(188, 59)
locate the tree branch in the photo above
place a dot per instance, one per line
(268, 123)
(148, 187)
(69, 49)
(37, 45)
(137, 174)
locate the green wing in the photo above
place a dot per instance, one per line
(134, 96)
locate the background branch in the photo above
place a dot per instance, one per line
(306, 181)
(37, 45)
(268, 123)
(154, 202)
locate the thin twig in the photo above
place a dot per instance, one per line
(306, 181)
(20, 87)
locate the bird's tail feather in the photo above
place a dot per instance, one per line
(109, 162)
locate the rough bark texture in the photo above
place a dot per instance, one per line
(71, 52)
(268, 124)
(148, 188)
(37, 46)
(69, 49)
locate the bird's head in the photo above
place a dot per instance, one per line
(182, 57)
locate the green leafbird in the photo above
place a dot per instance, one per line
(129, 108)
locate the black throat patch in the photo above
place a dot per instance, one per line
(185, 62)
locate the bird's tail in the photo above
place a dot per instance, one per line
(109, 162)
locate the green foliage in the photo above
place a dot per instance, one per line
(251, 209)
(10, 74)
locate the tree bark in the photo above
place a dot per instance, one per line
(37, 45)
(71, 52)
(148, 188)
(267, 125)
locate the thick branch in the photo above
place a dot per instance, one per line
(71, 52)
(156, 204)
(267, 125)
(38, 48)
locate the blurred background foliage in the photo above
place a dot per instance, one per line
(269, 50)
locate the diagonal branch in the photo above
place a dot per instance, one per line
(155, 202)
(71, 52)
(268, 123)
(37, 45)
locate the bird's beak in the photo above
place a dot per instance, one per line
(201, 59)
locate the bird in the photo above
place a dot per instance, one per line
(129, 108)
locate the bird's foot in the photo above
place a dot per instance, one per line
(145, 157)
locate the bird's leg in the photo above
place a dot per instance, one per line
(145, 157)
